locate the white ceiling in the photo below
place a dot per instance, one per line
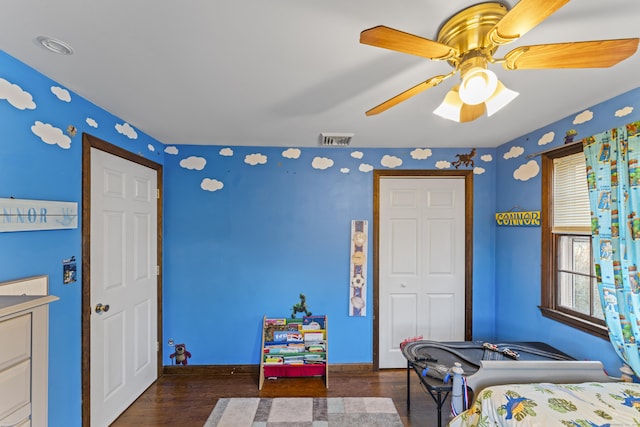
(280, 72)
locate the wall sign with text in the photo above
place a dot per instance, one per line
(30, 215)
(518, 219)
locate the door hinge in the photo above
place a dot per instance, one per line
(157, 193)
(157, 270)
(157, 345)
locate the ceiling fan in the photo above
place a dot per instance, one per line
(468, 41)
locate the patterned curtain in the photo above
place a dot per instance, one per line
(613, 175)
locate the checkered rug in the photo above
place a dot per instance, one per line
(305, 412)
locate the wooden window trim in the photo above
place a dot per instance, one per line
(548, 306)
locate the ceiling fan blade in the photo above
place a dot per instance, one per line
(433, 81)
(590, 54)
(524, 16)
(400, 41)
(469, 113)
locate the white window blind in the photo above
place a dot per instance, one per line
(571, 210)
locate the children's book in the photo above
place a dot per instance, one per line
(313, 322)
(313, 337)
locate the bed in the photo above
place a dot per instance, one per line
(548, 393)
(432, 360)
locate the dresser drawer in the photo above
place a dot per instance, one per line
(15, 336)
(15, 389)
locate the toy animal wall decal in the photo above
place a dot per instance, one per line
(300, 307)
(465, 159)
(181, 355)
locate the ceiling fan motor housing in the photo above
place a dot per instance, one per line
(468, 29)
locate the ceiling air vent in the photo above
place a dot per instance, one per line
(332, 139)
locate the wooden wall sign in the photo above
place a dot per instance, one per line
(30, 215)
(518, 219)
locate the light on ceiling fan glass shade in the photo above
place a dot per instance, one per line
(499, 99)
(451, 106)
(477, 85)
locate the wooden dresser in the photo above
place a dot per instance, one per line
(24, 354)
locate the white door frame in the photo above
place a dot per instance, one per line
(468, 188)
(88, 142)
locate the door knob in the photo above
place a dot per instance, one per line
(102, 308)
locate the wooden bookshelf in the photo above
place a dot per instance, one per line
(294, 348)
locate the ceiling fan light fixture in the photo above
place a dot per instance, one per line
(451, 106)
(477, 85)
(501, 97)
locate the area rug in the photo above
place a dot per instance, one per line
(305, 412)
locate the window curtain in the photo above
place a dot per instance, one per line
(613, 177)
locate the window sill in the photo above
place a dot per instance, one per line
(576, 322)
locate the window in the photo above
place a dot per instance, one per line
(569, 288)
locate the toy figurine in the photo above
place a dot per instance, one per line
(181, 355)
(300, 307)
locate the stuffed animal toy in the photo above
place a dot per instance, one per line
(181, 355)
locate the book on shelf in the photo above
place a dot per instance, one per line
(313, 322)
(313, 337)
(270, 330)
(284, 350)
(290, 359)
(316, 348)
(274, 360)
(279, 321)
(295, 326)
(294, 337)
(280, 336)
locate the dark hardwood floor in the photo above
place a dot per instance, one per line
(187, 400)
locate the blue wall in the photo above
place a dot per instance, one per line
(273, 230)
(33, 169)
(518, 249)
(281, 228)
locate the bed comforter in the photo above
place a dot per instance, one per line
(544, 404)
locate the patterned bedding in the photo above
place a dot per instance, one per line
(544, 404)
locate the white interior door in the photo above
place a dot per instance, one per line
(124, 277)
(421, 263)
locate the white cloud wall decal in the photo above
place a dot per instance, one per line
(344, 170)
(227, 152)
(18, 98)
(443, 164)
(61, 94)
(624, 111)
(171, 150)
(513, 152)
(292, 153)
(390, 161)
(527, 171)
(478, 170)
(321, 163)
(193, 163)
(255, 159)
(546, 138)
(365, 167)
(151, 147)
(210, 184)
(421, 153)
(486, 158)
(91, 122)
(585, 116)
(357, 154)
(51, 135)
(127, 130)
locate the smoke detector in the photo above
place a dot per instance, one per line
(333, 139)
